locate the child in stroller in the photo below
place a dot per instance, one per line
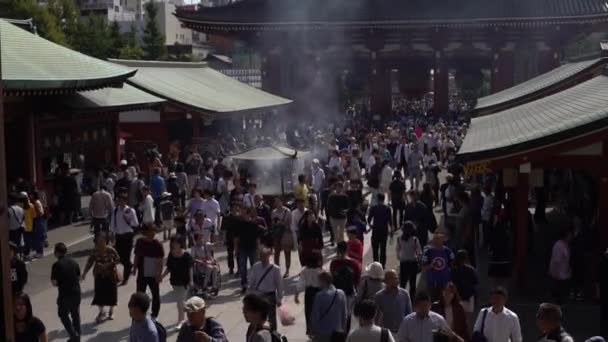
(206, 272)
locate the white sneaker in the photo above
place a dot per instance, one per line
(178, 327)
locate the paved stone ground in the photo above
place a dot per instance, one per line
(582, 319)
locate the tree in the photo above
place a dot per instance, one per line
(154, 41)
(94, 37)
(66, 13)
(131, 49)
(47, 25)
(118, 41)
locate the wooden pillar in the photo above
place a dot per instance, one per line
(117, 134)
(6, 302)
(602, 207)
(271, 73)
(520, 198)
(30, 145)
(441, 86)
(502, 70)
(196, 127)
(380, 90)
(549, 60)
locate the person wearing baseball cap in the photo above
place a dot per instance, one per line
(199, 327)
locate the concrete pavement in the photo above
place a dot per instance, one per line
(226, 307)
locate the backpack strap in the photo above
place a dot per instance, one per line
(268, 269)
(384, 335)
(330, 306)
(483, 320)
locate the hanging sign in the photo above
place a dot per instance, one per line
(474, 169)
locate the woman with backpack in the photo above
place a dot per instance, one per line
(409, 252)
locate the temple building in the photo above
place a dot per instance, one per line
(307, 45)
(556, 123)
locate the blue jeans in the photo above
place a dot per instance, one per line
(243, 255)
(39, 234)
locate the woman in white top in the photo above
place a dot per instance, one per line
(309, 283)
(409, 252)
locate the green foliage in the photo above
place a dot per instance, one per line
(154, 42)
(131, 52)
(47, 24)
(117, 40)
(66, 13)
(131, 48)
(94, 37)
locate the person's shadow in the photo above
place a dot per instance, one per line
(86, 330)
(109, 336)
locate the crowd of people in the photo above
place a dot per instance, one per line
(362, 180)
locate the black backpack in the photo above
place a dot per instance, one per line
(162, 332)
(344, 279)
(276, 337)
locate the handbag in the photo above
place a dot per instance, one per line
(478, 336)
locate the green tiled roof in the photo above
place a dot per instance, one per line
(369, 13)
(537, 84)
(198, 86)
(125, 98)
(569, 113)
(31, 63)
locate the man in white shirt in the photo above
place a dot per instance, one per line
(16, 220)
(122, 222)
(498, 323)
(402, 153)
(212, 210)
(487, 214)
(265, 279)
(296, 216)
(146, 207)
(248, 201)
(318, 176)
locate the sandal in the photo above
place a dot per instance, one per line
(99, 319)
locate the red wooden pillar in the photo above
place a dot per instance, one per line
(117, 135)
(521, 225)
(196, 127)
(30, 137)
(271, 73)
(549, 60)
(602, 200)
(441, 86)
(603, 210)
(380, 90)
(502, 70)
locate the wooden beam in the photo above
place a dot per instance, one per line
(545, 153)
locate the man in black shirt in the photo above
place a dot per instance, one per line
(337, 208)
(380, 221)
(65, 275)
(418, 213)
(247, 235)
